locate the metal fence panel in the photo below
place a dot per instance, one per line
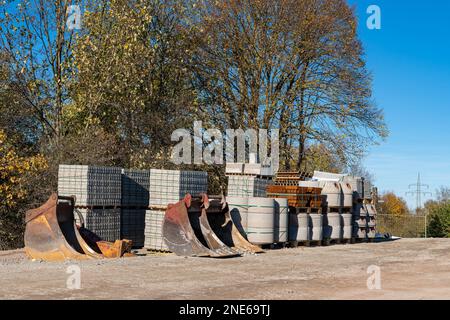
(405, 226)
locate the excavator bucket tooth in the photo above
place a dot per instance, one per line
(222, 224)
(51, 233)
(187, 234)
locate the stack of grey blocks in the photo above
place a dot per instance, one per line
(135, 201)
(98, 191)
(106, 223)
(135, 188)
(169, 186)
(247, 186)
(119, 203)
(371, 221)
(92, 186)
(153, 230)
(166, 187)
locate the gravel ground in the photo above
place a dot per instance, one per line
(409, 269)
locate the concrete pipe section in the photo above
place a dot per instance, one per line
(261, 220)
(281, 220)
(316, 223)
(299, 227)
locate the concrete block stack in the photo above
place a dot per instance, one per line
(98, 192)
(248, 179)
(360, 218)
(135, 201)
(247, 186)
(105, 222)
(153, 225)
(168, 186)
(371, 221)
(92, 186)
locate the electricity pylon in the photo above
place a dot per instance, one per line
(418, 191)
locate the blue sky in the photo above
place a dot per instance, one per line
(410, 62)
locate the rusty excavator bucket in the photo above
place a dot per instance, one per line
(200, 227)
(222, 224)
(51, 234)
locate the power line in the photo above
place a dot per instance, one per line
(418, 191)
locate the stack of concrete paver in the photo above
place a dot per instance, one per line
(135, 188)
(105, 222)
(247, 186)
(168, 186)
(135, 201)
(98, 193)
(92, 186)
(153, 226)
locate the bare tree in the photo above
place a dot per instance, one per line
(36, 45)
(293, 65)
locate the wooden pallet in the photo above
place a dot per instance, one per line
(273, 246)
(339, 210)
(306, 210)
(250, 175)
(306, 243)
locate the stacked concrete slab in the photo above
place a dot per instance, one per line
(98, 192)
(153, 226)
(135, 201)
(92, 186)
(105, 222)
(247, 186)
(168, 186)
(248, 179)
(135, 188)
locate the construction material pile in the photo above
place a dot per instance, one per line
(129, 204)
(169, 210)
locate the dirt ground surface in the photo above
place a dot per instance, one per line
(409, 269)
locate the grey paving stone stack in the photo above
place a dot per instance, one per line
(135, 188)
(92, 186)
(98, 192)
(133, 226)
(247, 186)
(169, 186)
(103, 222)
(153, 233)
(135, 201)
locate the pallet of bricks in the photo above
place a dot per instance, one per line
(165, 187)
(305, 206)
(98, 192)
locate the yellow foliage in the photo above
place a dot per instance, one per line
(393, 204)
(13, 170)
